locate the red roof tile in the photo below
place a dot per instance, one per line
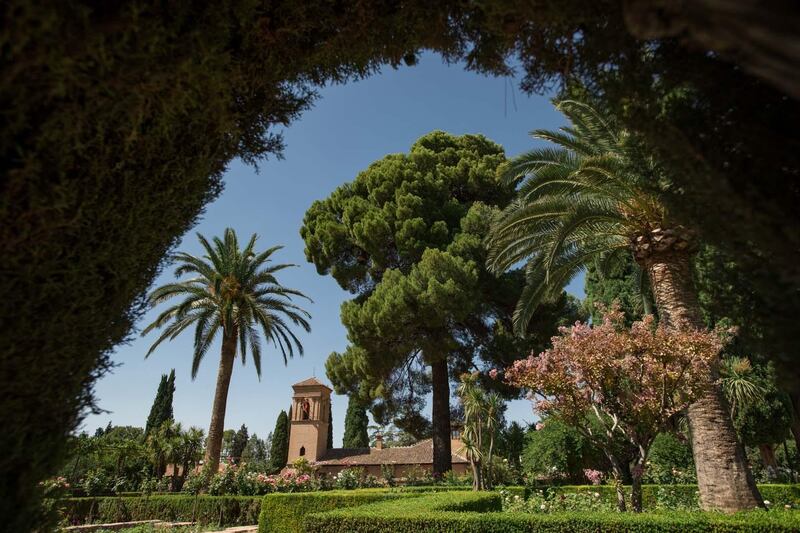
(310, 382)
(419, 453)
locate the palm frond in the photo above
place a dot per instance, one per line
(235, 291)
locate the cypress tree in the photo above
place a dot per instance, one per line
(279, 451)
(161, 411)
(330, 429)
(239, 443)
(169, 394)
(155, 410)
(355, 425)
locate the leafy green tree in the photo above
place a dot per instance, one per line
(620, 283)
(588, 200)
(162, 446)
(161, 411)
(355, 425)
(556, 450)
(239, 443)
(279, 448)
(189, 452)
(763, 419)
(235, 292)
(406, 238)
(670, 460)
(255, 454)
(512, 445)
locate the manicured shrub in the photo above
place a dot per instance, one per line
(680, 496)
(424, 513)
(217, 510)
(284, 513)
(469, 512)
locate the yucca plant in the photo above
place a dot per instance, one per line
(591, 199)
(739, 382)
(232, 291)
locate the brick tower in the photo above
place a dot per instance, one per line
(308, 428)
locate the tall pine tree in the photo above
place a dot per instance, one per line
(355, 425)
(161, 411)
(279, 451)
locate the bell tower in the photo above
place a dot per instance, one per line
(308, 428)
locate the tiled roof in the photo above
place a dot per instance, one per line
(419, 453)
(310, 382)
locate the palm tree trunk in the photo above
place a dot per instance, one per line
(217, 425)
(442, 458)
(723, 476)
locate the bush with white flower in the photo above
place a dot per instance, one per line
(551, 501)
(349, 478)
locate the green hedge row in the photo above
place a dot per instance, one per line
(217, 510)
(776, 494)
(465, 512)
(284, 512)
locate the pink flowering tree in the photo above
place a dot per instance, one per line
(608, 380)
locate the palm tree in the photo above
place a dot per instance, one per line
(234, 291)
(593, 199)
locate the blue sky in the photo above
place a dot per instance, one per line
(350, 126)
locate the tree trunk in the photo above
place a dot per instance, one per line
(636, 490)
(723, 476)
(217, 425)
(442, 458)
(795, 399)
(767, 452)
(489, 482)
(477, 481)
(616, 469)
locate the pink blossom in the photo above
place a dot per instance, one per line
(595, 477)
(637, 376)
(493, 373)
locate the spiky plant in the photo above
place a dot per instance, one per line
(232, 291)
(590, 199)
(739, 383)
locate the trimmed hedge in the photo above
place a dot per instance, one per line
(217, 510)
(776, 494)
(284, 512)
(460, 512)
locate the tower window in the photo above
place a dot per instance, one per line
(302, 451)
